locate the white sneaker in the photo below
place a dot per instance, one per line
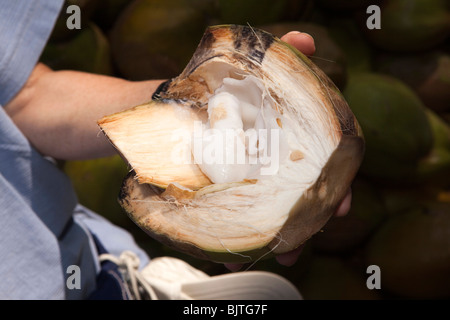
(169, 278)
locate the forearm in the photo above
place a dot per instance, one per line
(58, 110)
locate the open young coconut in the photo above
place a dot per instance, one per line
(246, 154)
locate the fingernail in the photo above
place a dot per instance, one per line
(292, 33)
(307, 34)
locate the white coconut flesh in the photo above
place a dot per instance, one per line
(254, 191)
(246, 138)
(242, 138)
(241, 204)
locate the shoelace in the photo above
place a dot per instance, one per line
(128, 264)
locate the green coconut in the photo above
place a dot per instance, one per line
(332, 278)
(240, 81)
(261, 12)
(347, 233)
(60, 31)
(252, 12)
(299, 10)
(347, 4)
(441, 130)
(412, 250)
(427, 73)
(96, 183)
(410, 25)
(155, 39)
(88, 51)
(396, 128)
(434, 168)
(108, 11)
(349, 37)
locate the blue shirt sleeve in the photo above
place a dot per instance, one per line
(24, 30)
(43, 230)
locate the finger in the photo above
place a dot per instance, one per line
(288, 259)
(345, 205)
(301, 41)
(233, 266)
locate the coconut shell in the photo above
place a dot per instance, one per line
(246, 220)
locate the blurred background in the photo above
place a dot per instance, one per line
(396, 80)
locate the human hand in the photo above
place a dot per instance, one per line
(305, 44)
(289, 258)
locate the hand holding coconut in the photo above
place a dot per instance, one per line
(239, 80)
(305, 44)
